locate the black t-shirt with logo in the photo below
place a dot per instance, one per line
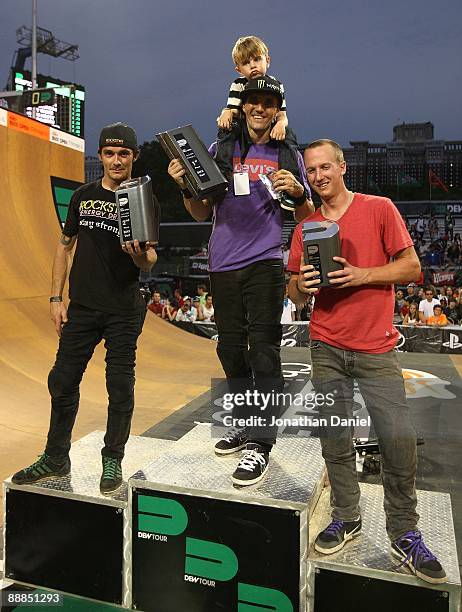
(102, 276)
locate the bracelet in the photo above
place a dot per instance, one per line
(56, 298)
(186, 193)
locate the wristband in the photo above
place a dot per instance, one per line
(56, 298)
(186, 193)
(300, 199)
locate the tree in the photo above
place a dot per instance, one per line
(154, 162)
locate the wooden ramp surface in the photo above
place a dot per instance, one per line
(173, 366)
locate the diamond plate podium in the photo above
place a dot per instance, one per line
(64, 534)
(365, 573)
(199, 543)
(180, 536)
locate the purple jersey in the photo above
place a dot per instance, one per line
(248, 228)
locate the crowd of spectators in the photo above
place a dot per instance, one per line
(414, 305)
(181, 307)
(436, 243)
(428, 306)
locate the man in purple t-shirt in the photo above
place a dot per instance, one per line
(247, 275)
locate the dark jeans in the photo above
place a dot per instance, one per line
(248, 307)
(381, 384)
(80, 335)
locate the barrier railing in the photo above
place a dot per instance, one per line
(421, 339)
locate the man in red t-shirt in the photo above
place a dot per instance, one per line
(155, 306)
(352, 338)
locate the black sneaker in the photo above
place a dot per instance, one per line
(336, 535)
(111, 478)
(252, 466)
(44, 467)
(411, 550)
(233, 441)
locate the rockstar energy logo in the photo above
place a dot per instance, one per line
(105, 207)
(420, 384)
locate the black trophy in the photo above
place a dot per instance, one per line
(203, 178)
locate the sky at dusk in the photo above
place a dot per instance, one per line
(351, 70)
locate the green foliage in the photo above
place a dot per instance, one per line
(412, 193)
(154, 162)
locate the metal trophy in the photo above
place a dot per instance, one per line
(138, 211)
(321, 242)
(203, 178)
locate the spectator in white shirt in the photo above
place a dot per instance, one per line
(426, 305)
(207, 312)
(288, 311)
(186, 312)
(421, 226)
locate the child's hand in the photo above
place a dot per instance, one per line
(279, 131)
(225, 120)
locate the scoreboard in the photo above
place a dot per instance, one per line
(65, 110)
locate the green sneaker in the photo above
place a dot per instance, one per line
(44, 467)
(111, 479)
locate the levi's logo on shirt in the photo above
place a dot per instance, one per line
(254, 167)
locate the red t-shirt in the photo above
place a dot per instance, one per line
(358, 318)
(156, 308)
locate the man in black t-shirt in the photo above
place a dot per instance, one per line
(453, 312)
(105, 303)
(411, 295)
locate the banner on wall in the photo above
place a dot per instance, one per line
(443, 278)
(411, 339)
(429, 340)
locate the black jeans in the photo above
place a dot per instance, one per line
(248, 307)
(80, 335)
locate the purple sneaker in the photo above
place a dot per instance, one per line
(411, 550)
(336, 535)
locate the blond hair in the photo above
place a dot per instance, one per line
(335, 146)
(247, 47)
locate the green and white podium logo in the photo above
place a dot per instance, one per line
(206, 562)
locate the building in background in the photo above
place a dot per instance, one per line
(414, 166)
(93, 169)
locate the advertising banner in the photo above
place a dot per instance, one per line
(443, 278)
(411, 339)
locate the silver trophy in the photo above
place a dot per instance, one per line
(138, 211)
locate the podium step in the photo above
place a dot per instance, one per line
(200, 543)
(64, 534)
(294, 477)
(364, 566)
